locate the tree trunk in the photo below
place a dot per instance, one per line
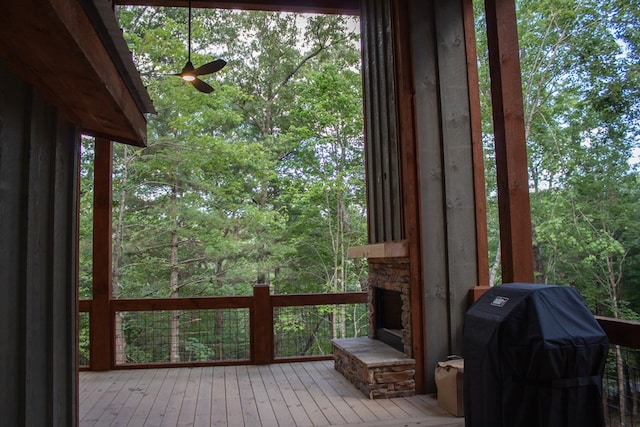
(116, 285)
(621, 396)
(356, 330)
(175, 314)
(341, 273)
(495, 267)
(119, 237)
(121, 342)
(613, 280)
(333, 280)
(332, 319)
(218, 332)
(634, 388)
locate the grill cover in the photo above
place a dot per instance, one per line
(534, 356)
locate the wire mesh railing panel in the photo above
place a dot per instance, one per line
(308, 330)
(179, 336)
(84, 359)
(621, 387)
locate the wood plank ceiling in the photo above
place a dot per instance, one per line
(344, 7)
(73, 53)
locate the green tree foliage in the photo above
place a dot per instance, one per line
(260, 180)
(86, 220)
(223, 171)
(579, 64)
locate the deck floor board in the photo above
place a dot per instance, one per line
(310, 406)
(285, 394)
(218, 397)
(149, 395)
(297, 411)
(203, 404)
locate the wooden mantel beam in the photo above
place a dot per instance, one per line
(380, 250)
(510, 144)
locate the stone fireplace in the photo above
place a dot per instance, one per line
(381, 365)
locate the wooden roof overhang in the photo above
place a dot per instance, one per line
(74, 54)
(341, 7)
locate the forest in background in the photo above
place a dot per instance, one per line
(580, 63)
(263, 179)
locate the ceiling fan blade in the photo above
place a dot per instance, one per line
(201, 86)
(210, 67)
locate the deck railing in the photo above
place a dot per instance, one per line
(257, 329)
(621, 382)
(269, 328)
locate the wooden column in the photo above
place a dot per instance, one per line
(101, 331)
(510, 145)
(262, 325)
(475, 114)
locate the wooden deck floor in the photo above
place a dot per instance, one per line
(289, 394)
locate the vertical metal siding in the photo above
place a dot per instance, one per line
(384, 196)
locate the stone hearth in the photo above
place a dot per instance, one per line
(375, 368)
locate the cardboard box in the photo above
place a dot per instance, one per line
(450, 384)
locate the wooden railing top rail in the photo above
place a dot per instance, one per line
(84, 305)
(195, 303)
(621, 332)
(296, 300)
(208, 303)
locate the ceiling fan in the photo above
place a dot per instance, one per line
(190, 74)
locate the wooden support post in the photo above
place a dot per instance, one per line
(478, 155)
(101, 349)
(262, 325)
(510, 144)
(475, 114)
(476, 293)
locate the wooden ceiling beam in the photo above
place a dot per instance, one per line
(339, 7)
(54, 46)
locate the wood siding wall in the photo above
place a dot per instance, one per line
(445, 155)
(38, 249)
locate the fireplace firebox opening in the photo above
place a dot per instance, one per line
(388, 317)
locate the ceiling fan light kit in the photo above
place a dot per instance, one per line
(190, 74)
